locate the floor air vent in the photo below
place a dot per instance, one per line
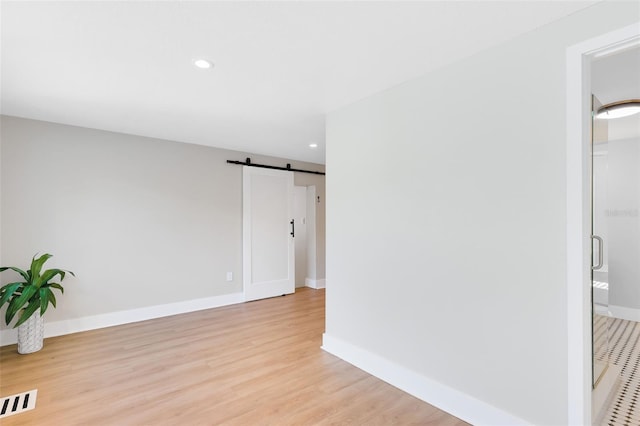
(14, 404)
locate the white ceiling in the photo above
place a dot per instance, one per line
(617, 78)
(279, 66)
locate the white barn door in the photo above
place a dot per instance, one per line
(268, 261)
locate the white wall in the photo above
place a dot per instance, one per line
(446, 244)
(142, 222)
(623, 220)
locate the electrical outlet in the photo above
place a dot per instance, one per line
(229, 276)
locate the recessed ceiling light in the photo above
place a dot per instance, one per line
(619, 109)
(202, 63)
(313, 145)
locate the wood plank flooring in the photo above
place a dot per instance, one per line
(257, 363)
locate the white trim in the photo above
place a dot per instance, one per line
(622, 312)
(59, 328)
(578, 341)
(448, 399)
(578, 216)
(317, 284)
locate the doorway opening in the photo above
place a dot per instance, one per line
(283, 232)
(580, 60)
(306, 241)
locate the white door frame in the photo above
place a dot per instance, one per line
(578, 115)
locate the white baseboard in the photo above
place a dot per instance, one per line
(308, 282)
(59, 328)
(450, 400)
(622, 312)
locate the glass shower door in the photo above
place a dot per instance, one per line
(599, 269)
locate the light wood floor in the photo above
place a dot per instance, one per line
(257, 363)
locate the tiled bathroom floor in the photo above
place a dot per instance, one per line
(624, 351)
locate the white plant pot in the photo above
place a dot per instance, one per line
(31, 334)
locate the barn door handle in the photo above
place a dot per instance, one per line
(293, 228)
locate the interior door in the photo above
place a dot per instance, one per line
(268, 261)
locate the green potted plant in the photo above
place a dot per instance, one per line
(29, 299)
